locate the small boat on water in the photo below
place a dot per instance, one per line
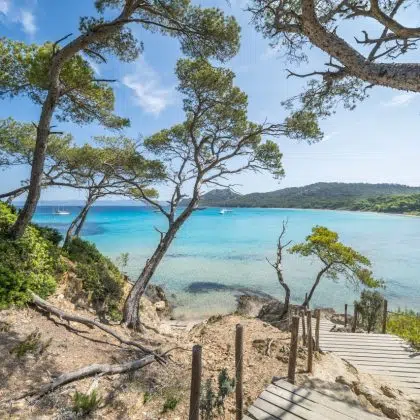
(63, 212)
(223, 211)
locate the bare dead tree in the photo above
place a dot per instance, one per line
(277, 265)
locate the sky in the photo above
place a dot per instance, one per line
(377, 142)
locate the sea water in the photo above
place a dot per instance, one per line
(215, 256)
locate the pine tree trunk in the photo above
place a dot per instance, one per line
(37, 170)
(314, 286)
(77, 224)
(131, 315)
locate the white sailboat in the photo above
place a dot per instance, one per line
(223, 211)
(62, 212)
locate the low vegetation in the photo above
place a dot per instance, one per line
(31, 344)
(35, 263)
(85, 404)
(30, 263)
(406, 324)
(370, 308)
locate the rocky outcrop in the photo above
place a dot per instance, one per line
(157, 296)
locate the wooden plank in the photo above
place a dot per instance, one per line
(292, 407)
(398, 355)
(276, 411)
(304, 402)
(245, 417)
(367, 349)
(358, 344)
(384, 362)
(262, 415)
(324, 399)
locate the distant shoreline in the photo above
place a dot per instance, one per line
(228, 207)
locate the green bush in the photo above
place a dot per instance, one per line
(50, 234)
(100, 277)
(29, 263)
(84, 404)
(370, 308)
(210, 401)
(170, 404)
(405, 324)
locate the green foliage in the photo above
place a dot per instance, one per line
(122, 261)
(101, 278)
(210, 401)
(49, 234)
(25, 71)
(408, 203)
(170, 404)
(338, 260)
(31, 344)
(29, 263)
(406, 324)
(370, 308)
(202, 32)
(147, 396)
(84, 404)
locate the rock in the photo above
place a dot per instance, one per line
(250, 305)
(390, 411)
(160, 306)
(388, 391)
(342, 380)
(156, 295)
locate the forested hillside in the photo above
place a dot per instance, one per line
(392, 198)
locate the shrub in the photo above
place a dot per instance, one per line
(84, 404)
(49, 233)
(210, 401)
(405, 324)
(370, 309)
(170, 404)
(31, 344)
(29, 263)
(100, 277)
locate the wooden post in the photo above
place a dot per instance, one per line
(293, 350)
(354, 326)
(302, 315)
(345, 315)
(195, 383)
(239, 348)
(385, 317)
(306, 300)
(317, 325)
(310, 342)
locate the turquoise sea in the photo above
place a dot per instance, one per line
(229, 251)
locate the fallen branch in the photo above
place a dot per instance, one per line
(42, 304)
(85, 372)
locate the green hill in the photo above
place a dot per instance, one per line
(325, 195)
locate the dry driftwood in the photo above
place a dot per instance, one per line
(42, 304)
(85, 372)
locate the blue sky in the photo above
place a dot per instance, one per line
(378, 142)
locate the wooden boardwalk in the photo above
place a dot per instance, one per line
(282, 400)
(383, 355)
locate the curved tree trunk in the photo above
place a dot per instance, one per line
(78, 222)
(314, 286)
(286, 298)
(131, 315)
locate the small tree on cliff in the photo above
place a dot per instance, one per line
(338, 260)
(62, 81)
(277, 265)
(215, 142)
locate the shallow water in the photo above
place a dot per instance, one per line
(231, 249)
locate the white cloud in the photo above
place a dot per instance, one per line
(4, 6)
(27, 19)
(402, 99)
(148, 92)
